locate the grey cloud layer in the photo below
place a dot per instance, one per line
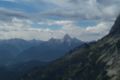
(19, 28)
(6, 14)
(86, 9)
(17, 23)
(68, 9)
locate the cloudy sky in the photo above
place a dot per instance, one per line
(42, 19)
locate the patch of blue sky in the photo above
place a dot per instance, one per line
(17, 6)
(53, 16)
(86, 23)
(26, 7)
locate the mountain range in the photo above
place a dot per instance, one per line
(9, 49)
(50, 50)
(19, 50)
(92, 61)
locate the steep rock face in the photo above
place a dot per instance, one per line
(97, 61)
(116, 27)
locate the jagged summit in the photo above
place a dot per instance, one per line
(116, 27)
(66, 37)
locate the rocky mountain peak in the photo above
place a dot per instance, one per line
(116, 27)
(66, 37)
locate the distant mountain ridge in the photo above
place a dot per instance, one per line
(12, 47)
(50, 50)
(20, 43)
(18, 49)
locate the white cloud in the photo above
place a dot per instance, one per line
(89, 33)
(57, 22)
(75, 9)
(101, 28)
(84, 9)
(69, 11)
(18, 28)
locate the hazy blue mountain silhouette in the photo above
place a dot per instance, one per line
(50, 50)
(9, 49)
